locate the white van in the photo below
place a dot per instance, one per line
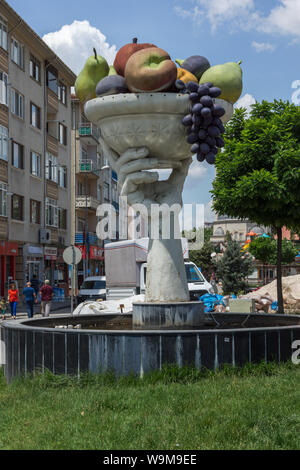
(93, 288)
(197, 283)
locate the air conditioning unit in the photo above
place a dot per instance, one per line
(45, 236)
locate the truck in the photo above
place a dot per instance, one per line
(126, 270)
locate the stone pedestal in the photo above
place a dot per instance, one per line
(168, 315)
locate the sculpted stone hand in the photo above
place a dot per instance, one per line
(166, 276)
(142, 186)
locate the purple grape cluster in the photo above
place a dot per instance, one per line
(204, 124)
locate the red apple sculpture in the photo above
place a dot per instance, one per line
(126, 52)
(150, 70)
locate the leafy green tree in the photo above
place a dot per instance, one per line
(202, 258)
(258, 174)
(234, 267)
(263, 250)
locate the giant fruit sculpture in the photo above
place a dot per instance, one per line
(149, 130)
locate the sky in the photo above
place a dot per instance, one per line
(265, 35)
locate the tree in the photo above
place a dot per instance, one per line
(258, 174)
(265, 250)
(202, 258)
(234, 267)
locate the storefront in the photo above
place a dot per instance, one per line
(50, 258)
(8, 255)
(33, 262)
(56, 270)
(95, 262)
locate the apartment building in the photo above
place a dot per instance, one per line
(93, 183)
(35, 155)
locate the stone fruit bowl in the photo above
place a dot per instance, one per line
(152, 120)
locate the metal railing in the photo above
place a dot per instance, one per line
(89, 130)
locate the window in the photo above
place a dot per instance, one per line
(62, 219)
(17, 155)
(115, 194)
(35, 164)
(51, 213)
(17, 207)
(99, 192)
(62, 176)
(35, 116)
(62, 134)
(52, 81)
(81, 189)
(4, 143)
(51, 168)
(17, 52)
(62, 93)
(106, 191)
(3, 33)
(17, 103)
(35, 68)
(193, 274)
(3, 199)
(84, 154)
(3, 88)
(35, 211)
(91, 285)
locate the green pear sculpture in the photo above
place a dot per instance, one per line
(95, 69)
(228, 77)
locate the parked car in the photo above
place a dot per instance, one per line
(93, 288)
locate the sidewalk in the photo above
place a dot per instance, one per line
(54, 306)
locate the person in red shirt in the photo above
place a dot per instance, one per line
(13, 298)
(47, 294)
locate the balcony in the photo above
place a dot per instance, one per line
(52, 144)
(88, 167)
(89, 133)
(52, 102)
(87, 202)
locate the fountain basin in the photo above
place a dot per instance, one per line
(234, 339)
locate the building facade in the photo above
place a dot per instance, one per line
(35, 155)
(93, 183)
(238, 229)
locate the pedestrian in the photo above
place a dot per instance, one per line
(13, 298)
(47, 294)
(3, 305)
(29, 296)
(35, 284)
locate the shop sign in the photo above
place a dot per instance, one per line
(8, 248)
(50, 253)
(35, 250)
(96, 253)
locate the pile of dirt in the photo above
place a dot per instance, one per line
(290, 290)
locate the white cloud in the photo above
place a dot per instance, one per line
(218, 12)
(209, 214)
(245, 102)
(263, 46)
(283, 19)
(74, 43)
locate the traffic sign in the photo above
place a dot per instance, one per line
(72, 255)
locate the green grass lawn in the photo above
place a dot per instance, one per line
(257, 407)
